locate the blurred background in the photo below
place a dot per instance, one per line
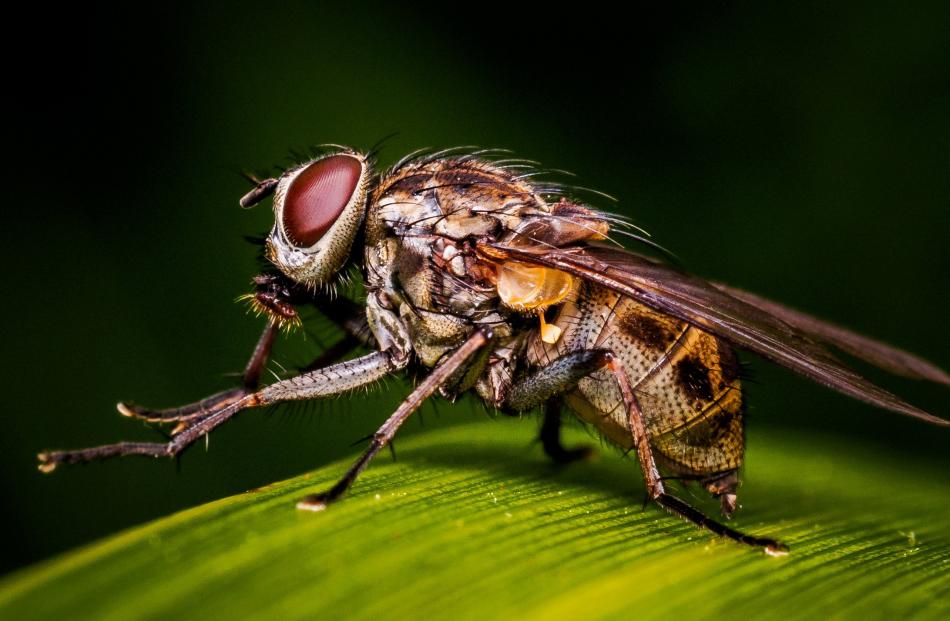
(801, 153)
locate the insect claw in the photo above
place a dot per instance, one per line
(313, 503)
(776, 549)
(181, 427)
(126, 410)
(727, 504)
(46, 464)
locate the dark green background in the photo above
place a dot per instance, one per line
(802, 154)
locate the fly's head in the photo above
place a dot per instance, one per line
(319, 207)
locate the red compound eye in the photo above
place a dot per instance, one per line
(317, 197)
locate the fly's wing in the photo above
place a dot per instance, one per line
(789, 338)
(897, 361)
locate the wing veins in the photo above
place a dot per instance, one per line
(740, 321)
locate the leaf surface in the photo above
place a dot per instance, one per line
(472, 522)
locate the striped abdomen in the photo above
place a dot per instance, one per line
(686, 381)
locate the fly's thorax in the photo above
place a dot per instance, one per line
(451, 198)
(423, 226)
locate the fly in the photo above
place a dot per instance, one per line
(495, 283)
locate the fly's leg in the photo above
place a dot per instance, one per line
(564, 373)
(655, 485)
(350, 317)
(557, 377)
(329, 381)
(545, 386)
(442, 373)
(334, 353)
(250, 380)
(551, 436)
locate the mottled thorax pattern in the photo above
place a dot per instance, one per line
(423, 226)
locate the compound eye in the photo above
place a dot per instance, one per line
(317, 196)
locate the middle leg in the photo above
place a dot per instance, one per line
(272, 295)
(250, 380)
(550, 436)
(441, 374)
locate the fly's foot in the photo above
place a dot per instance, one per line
(319, 502)
(563, 456)
(193, 422)
(550, 437)
(775, 548)
(723, 486)
(728, 503)
(313, 502)
(47, 463)
(185, 413)
(50, 459)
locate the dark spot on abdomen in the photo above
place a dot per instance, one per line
(647, 330)
(693, 377)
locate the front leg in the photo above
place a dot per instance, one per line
(277, 298)
(326, 382)
(563, 374)
(186, 414)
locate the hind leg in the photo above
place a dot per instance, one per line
(563, 374)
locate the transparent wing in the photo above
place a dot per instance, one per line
(897, 361)
(789, 338)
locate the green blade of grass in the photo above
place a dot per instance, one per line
(472, 522)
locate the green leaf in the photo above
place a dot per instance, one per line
(472, 522)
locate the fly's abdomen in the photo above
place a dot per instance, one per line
(686, 381)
